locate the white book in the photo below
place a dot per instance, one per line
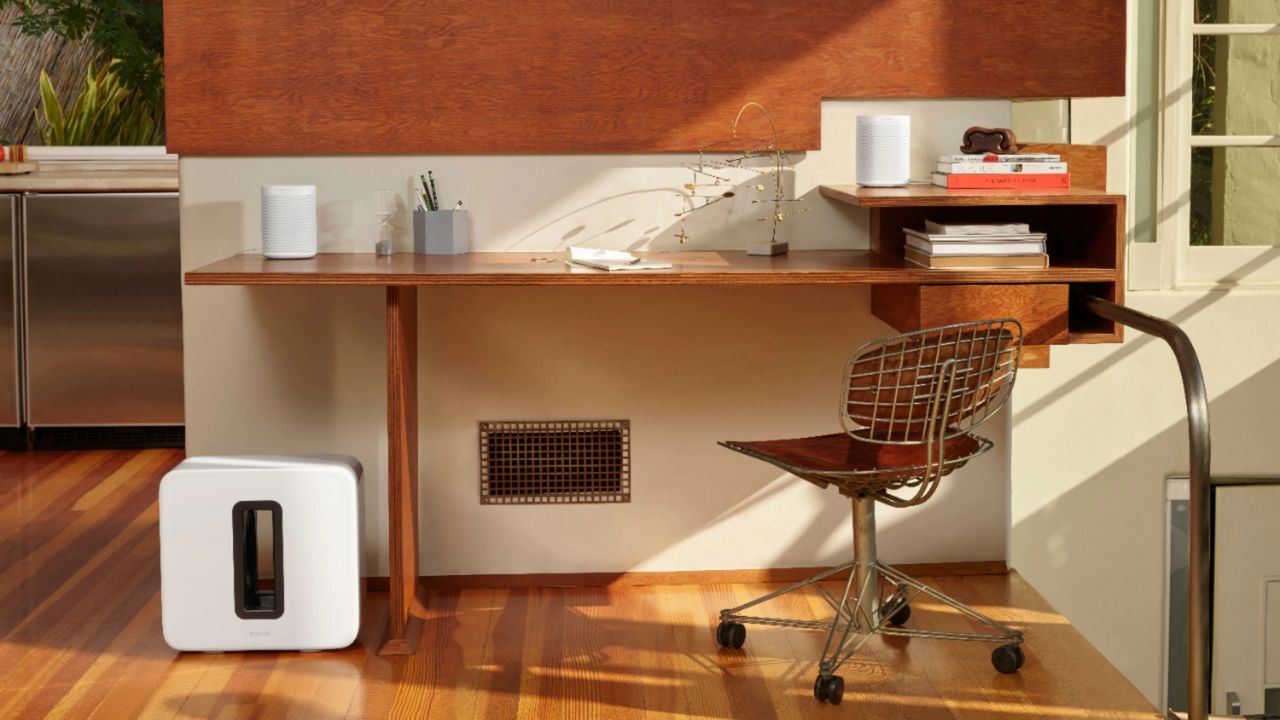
(937, 228)
(611, 260)
(961, 239)
(1015, 157)
(1003, 247)
(1002, 168)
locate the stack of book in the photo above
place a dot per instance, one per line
(1034, 171)
(976, 246)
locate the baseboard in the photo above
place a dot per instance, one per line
(687, 577)
(13, 439)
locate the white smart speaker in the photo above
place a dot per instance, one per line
(884, 150)
(260, 553)
(288, 221)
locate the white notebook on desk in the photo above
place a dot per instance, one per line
(611, 260)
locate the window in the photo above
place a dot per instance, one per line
(1220, 192)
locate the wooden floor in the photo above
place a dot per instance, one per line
(80, 638)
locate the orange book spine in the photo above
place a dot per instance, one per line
(1013, 181)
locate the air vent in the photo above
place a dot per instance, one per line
(556, 461)
(92, 437)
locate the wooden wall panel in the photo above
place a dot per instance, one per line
(551, 76)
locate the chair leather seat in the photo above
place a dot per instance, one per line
(839, 453)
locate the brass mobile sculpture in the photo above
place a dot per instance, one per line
(705, 176)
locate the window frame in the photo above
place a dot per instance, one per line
(1200, 266)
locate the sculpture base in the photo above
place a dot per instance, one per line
(767, 248)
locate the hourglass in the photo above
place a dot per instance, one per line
(385, 204)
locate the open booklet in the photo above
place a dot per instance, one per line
(611, 260)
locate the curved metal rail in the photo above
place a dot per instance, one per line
(1199, 585)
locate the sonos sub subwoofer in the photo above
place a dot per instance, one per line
(260, 553)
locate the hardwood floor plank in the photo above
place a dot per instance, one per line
(80, 638)
(503, 664)
(542, 695)
(465, 628)
(35, 501)
(748, 694)
(688, 653)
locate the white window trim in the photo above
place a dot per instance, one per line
(1199, 267)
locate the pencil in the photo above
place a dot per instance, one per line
(426, 194)
(435, 197)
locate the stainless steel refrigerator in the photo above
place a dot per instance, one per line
(10, 377)
(103, 310)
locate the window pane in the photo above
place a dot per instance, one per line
(1233, 196)
(1207, 11)
(1235, 81)
(1203, 83)
(1237, 11)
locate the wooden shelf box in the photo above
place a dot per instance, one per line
(1086, 232)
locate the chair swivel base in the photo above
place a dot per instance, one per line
(864, 613)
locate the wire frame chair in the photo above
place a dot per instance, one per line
(931, 384)
(922, 392)
(925, 388)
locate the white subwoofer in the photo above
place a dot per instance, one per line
(884, 150)
(288, 221)
(261, 553)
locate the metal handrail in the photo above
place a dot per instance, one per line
(1200, 547)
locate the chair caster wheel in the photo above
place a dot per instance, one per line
(829, 689)
(900, 616)
(1007, 658)
(731, 634)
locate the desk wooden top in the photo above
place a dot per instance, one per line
(808, 267)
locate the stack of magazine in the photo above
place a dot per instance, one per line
(971, 246)
(1022, 171)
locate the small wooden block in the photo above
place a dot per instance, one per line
(767, 248)
(1087, 163)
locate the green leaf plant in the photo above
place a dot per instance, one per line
(107, 112)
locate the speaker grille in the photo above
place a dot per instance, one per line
(288, 221)
(556, 461)
(883, 150)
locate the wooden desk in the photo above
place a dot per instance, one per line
(1085, 247)
(813, 267)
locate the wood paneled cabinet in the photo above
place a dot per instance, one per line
(1086, 232)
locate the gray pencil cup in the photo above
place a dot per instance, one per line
(441, 232)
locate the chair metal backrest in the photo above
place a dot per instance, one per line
(930, 385)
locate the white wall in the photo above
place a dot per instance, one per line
(1095, 436)
(302, 370)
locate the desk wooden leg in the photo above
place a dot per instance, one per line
(403, 627)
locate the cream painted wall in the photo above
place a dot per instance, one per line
(299, 370)
(1095, 436)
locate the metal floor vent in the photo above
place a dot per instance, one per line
(93, 437)
(555, 461)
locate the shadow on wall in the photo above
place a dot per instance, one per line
(688, 367)
(1109, 529)
(739, 207)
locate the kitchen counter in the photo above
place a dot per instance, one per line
(78, 177)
